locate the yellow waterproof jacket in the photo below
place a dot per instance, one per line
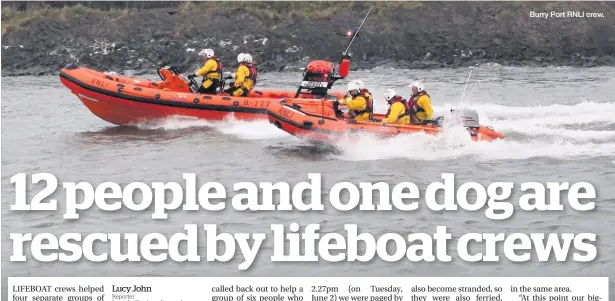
(209, 70)
(357, 103)
(397, 109)
(242, 78)
(425, 103)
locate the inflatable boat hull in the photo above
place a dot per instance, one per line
(128, 101)
(317, 121)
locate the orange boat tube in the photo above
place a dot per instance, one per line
(321, 121)
(127, 101)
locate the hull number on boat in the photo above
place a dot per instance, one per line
(286, 113)
(99, 83)
(257, 103)
(310, 84)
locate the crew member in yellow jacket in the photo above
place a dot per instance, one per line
(398, 112)
(419, 103)
(211, 73)
(359, 102)
(245, 77)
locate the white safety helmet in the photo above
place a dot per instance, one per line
(241, 57)
(418, 85)
(360, 83)
(248, 58)
(389, 94)
(354, 86)
(207, 53)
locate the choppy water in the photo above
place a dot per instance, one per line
(559, 122)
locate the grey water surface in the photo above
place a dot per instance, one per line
(559, 125)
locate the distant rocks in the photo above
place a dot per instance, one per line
(415, 35)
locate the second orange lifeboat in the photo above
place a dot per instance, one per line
(322, 121)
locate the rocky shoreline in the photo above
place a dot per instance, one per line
(284, 36)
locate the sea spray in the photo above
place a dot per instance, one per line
(249, 130)
(539, 131)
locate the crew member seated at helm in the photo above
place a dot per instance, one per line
(419, 103)
(359, 101)
(211, 72)
(245, 77)
(398, 112)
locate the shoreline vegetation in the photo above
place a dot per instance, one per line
(38, 38)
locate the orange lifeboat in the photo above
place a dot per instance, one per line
(125, 100)
(322, 121)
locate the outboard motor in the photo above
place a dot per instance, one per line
(469, 118)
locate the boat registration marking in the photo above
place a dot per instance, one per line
(257, 103)
(312, 84)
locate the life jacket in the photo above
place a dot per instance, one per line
(253, 72)
(413, 99)
(369, 105)
(218, 68)
(404, 102)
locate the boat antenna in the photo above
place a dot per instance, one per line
(464, 89)
(470, 97)
(345, 53)
(354, 33)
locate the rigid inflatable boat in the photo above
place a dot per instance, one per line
(323, 121)
(125, 100)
